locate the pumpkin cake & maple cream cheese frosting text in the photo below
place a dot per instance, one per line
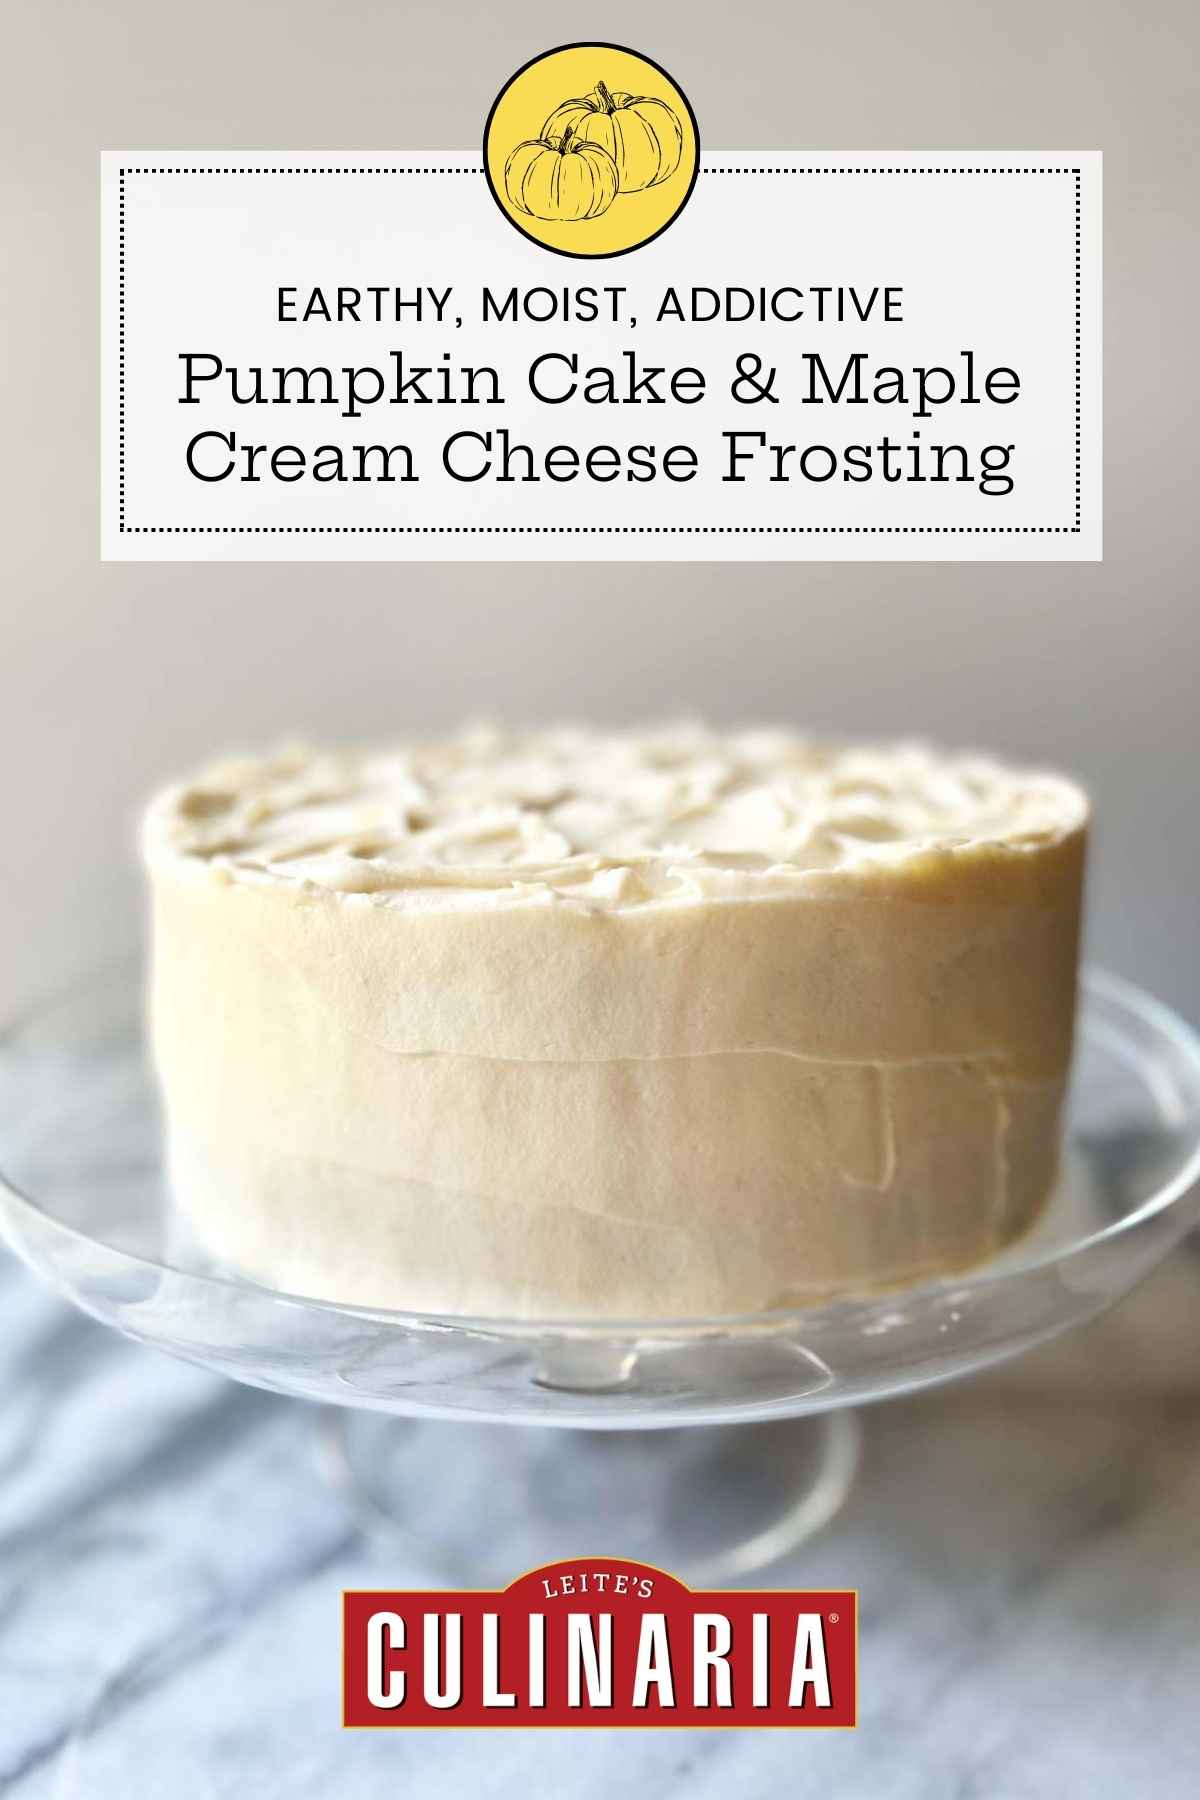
(662, 1025)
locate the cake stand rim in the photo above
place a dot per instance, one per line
(1172, 1030)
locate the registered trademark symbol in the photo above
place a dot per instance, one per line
(834, 1617)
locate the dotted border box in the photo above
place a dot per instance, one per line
(610, 530)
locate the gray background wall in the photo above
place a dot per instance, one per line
(113, 676)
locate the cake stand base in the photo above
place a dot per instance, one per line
(479, 1504)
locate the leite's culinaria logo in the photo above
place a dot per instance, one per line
(603, 1642)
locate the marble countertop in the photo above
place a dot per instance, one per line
(1026, 1545)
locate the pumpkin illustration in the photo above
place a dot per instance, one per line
(642, 135)
(562, 177)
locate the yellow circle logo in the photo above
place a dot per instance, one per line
(591, 150)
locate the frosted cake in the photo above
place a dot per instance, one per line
(668, 1024)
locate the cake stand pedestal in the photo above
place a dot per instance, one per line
(707, 1446)
(712, 1503)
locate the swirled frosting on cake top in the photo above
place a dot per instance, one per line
(493, 817)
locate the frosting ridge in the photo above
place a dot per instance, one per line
(604, 820)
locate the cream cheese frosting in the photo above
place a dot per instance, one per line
(610, 820)
(565, 1023)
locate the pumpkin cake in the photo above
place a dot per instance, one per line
(672, 1024)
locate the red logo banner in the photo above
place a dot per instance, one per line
(598, 1641)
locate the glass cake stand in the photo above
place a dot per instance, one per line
(436, 1427)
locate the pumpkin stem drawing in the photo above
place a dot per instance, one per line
(561, 177)
(642, 135)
